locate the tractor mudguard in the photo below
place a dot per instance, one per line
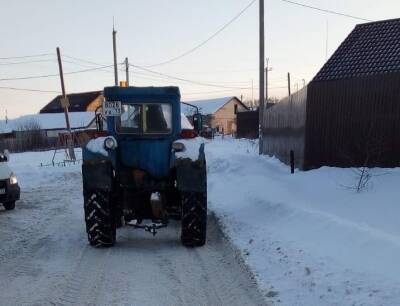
(192, 174)
(97, 175)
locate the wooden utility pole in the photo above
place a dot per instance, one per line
(65, 104)
(261, 86)
(288, 82)
(115, 56)
(127, 71)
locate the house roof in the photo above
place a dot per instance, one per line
(207, 107)
(54, 121)
(78, 102)
(370, 49)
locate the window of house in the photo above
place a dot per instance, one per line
(236, 109)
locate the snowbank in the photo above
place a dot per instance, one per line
(33, 169)
(309, 238)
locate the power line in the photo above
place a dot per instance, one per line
(82, 60)
(52, 75)
(187, 80)
(326, 11)
(29, 89)
(25, 62)
(205, 41)
(26, 56)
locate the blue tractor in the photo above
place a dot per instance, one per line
(149, 165)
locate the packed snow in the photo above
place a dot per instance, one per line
(308, 237)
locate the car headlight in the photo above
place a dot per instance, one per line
(13, 179)
(178, 147)
(110, 143)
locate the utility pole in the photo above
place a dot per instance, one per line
(65, 104)
(288, 82)
(261, 87)
(252, 93)
(115, 56)
(327, 40)
(127, 71)
(267, 69)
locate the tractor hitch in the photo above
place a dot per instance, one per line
(151, 227)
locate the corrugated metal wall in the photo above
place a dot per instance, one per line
(247, 124)
(353, 122)
(284, 128)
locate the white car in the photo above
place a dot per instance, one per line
(9, 188)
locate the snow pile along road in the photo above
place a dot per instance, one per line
(309, 238)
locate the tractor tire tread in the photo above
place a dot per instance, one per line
(99, 217)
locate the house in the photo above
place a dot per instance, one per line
(47, 129)
(349, 114)
(219, 113)
(79, 102)
(43, 131)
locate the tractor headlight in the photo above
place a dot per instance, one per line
(178, 147)
(110, 143)
(13, 179)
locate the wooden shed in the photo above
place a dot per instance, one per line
(349, 115)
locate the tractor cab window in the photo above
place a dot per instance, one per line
(130, 120)
(157, 118)
(152, 118)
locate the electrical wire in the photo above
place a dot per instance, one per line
(187, 80)
(205, 41)
(53, 75)
(326, 11)
(25, 62)
(26, 56)
(29, 89)
(82, 60)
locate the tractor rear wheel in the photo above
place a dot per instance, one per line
(99, 218)
(194, 218)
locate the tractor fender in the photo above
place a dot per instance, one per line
(191, 169)
(98, 166)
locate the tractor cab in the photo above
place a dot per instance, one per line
(147, 122)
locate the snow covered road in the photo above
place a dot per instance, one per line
(45, 258)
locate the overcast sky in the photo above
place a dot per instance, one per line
(153, 31)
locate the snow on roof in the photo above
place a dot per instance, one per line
(48, 121)
(206, 107)
(185, 123)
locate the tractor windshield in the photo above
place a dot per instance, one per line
(149, 118)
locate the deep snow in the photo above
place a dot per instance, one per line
(309, 239)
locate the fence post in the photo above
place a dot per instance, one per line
(291, 161)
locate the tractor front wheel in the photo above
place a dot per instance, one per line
(99, 218)
(194, 218)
